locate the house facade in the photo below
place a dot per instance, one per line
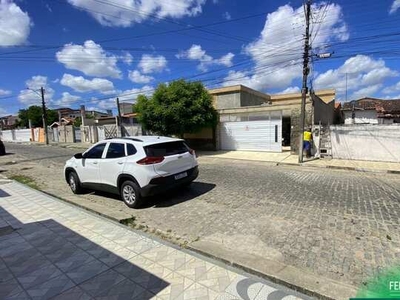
(251, 120)
(371, 111)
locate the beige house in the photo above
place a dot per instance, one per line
(255, 121)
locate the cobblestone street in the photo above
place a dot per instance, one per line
(336, 224)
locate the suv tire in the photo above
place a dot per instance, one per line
(130, 194)
(74, 183)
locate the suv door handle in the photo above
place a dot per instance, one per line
(120, 162)
(95, 162)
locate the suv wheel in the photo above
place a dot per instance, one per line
(74, 183)
(130, 194)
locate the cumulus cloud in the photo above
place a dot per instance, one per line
(67, 99)
(395, 6)
(365, 76)
(136, 77)
(31, 95)
(290, 90)
(195, 52)
(152, 63)
(90, 59)
(4, 92)
(82, 85)
(227, 16)
(127, 58)
(124, 96)
(393, 89)
(15, 25)
(277, 52)
(124, 13)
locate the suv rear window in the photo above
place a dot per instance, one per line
(166, 149)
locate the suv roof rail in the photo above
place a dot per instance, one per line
(133, 139)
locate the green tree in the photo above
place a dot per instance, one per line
(34, 113)
(177, 108)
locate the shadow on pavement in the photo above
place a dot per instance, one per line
(175, 197)
(45, 259)
(169, 198)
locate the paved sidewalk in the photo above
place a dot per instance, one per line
(49, 249)
(285, 158)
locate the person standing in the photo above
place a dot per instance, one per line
(307, 137)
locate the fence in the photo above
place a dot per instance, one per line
(366, 142)
(16, 135)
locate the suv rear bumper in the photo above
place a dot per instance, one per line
(162, 184)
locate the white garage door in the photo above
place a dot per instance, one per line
(252, 135)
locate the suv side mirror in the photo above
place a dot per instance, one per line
(78, 156)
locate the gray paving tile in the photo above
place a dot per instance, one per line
(10, 248)
(87, 271)
(143, 245)
(29, 265)
(51, 288)
(19, 296)
(217, 278)
(244, 287)
(135, 267)
(61, 254)
(74, 260)
(38, 276)
(75, 293)
(125, 290)
(101, 283)
(10, 288)
(167, 257)
(21, 259)
(5, 274)
(113, 259)
(173, 285)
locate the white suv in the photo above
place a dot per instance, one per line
(133, 167)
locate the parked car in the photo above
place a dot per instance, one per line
(2, 148)
(133, 168)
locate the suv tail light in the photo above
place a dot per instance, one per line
(150, 160)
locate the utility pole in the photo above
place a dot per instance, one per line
(119, 118)
(44, 116)
(306, 70)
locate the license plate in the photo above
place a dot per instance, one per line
(180, 176)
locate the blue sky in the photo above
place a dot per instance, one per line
(91, 51)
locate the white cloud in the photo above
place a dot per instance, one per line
(90, 59)
(395, 6)
(227, 16)
(132, 94)
(67, 99)
(136, 77)
(127, 58)
(124, 96)
(277, 52)
(124, 13)
(366, 91)
(82, 85)
(15, 25)
(290, 90)
(195, 52)
(364, 75)
(4, 92)
(31, 95)
(392, 89)
(152, 63)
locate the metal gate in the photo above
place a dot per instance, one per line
(261, 135)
